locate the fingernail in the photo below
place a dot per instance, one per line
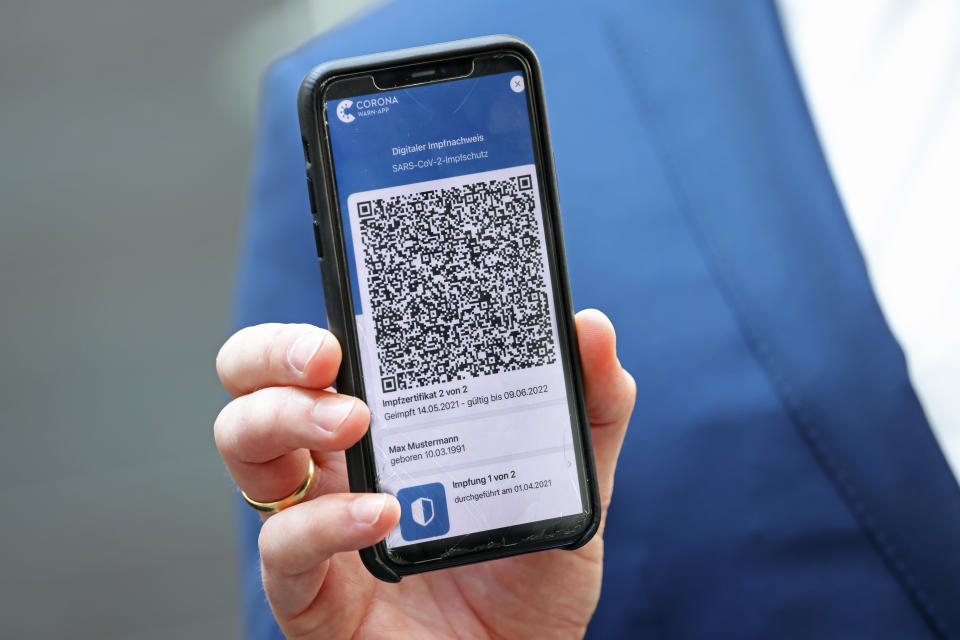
(304, 349)
(330, 411)
(367, 509)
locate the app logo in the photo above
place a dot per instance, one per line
(423, 511)
(342, 111)
(516, 84)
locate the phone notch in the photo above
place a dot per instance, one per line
(435, 71)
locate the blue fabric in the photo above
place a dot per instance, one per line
(779, 478)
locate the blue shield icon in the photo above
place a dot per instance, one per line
(423, 511)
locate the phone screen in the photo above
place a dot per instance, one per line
(454, 295)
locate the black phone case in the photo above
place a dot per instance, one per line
(328, 234)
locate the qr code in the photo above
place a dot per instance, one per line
(456, 279)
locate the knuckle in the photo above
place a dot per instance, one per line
(224, 433)
(267, 543)
(225, 357)
(236, 427)
(258, 420)
(242, 351)
(219, 361)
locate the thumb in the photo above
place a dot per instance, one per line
(610, 393)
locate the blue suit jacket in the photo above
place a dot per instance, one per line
(779, 478)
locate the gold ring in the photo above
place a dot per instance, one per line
(294, 498)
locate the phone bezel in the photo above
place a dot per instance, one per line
(344, 82)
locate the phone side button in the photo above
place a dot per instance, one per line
(313, 203)
(317, 239)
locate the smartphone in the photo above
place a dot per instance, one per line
(437, 225)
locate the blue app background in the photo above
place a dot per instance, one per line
(433, 499)
(362, 149)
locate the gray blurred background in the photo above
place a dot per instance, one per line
(125, 133)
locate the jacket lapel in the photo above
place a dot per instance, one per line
(716, 85)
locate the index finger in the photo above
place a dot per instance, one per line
(270, 355)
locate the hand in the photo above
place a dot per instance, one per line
(284, 410)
